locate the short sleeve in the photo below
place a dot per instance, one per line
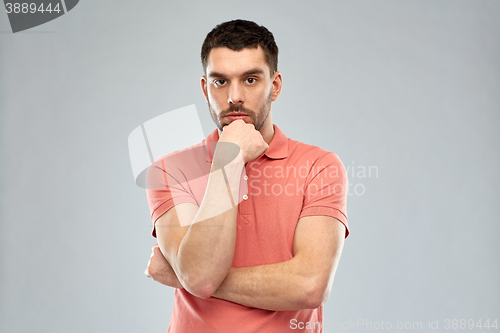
(176, 179)
(326, 190)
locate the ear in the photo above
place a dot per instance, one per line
(277, 83)
(204, 83)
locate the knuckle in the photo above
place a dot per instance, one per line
(151, 269)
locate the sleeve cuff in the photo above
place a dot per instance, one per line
(166, 206)
(327, 211)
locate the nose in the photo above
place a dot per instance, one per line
(235, 94)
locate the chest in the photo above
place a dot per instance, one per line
(271, 200)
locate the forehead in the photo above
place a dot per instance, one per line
(229, 62)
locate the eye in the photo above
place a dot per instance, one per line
(219, 82)
(251, 80)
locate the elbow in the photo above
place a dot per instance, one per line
(199, 287)
(316, 301)
(317, 292)
(202, 291)
(200, 281)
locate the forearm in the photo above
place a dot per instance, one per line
(277, 287)
(206, 251)
(202, 253)
(205, 254)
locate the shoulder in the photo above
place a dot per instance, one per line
(197, 153)
(181, 165)
(303, 151)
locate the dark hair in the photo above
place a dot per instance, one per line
(240, 34)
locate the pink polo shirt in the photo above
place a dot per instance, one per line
(291, 180)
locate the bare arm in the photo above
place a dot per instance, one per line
(303, 282)
(200, 249)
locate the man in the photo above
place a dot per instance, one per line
(265, 264)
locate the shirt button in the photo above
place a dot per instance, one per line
(245, 197)
(245, 177)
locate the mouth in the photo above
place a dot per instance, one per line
(236, 115)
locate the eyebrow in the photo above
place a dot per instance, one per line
(252, 71)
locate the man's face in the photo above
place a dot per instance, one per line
(238, 85)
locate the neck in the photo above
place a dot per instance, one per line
(267, 130)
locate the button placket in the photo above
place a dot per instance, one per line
(244, 206)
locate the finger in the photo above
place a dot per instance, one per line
(156, 251)
(146, 272)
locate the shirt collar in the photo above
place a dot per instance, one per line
(278, 148)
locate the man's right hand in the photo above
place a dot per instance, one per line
(201, 252)
(250, 141)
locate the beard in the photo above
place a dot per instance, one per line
(258, 118)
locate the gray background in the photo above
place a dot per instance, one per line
(409, 87)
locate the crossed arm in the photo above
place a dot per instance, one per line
(303, 282)
(196, 245)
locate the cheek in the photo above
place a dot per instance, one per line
(215, 97)
(263, 96)
(214, 103)
(264, 91)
